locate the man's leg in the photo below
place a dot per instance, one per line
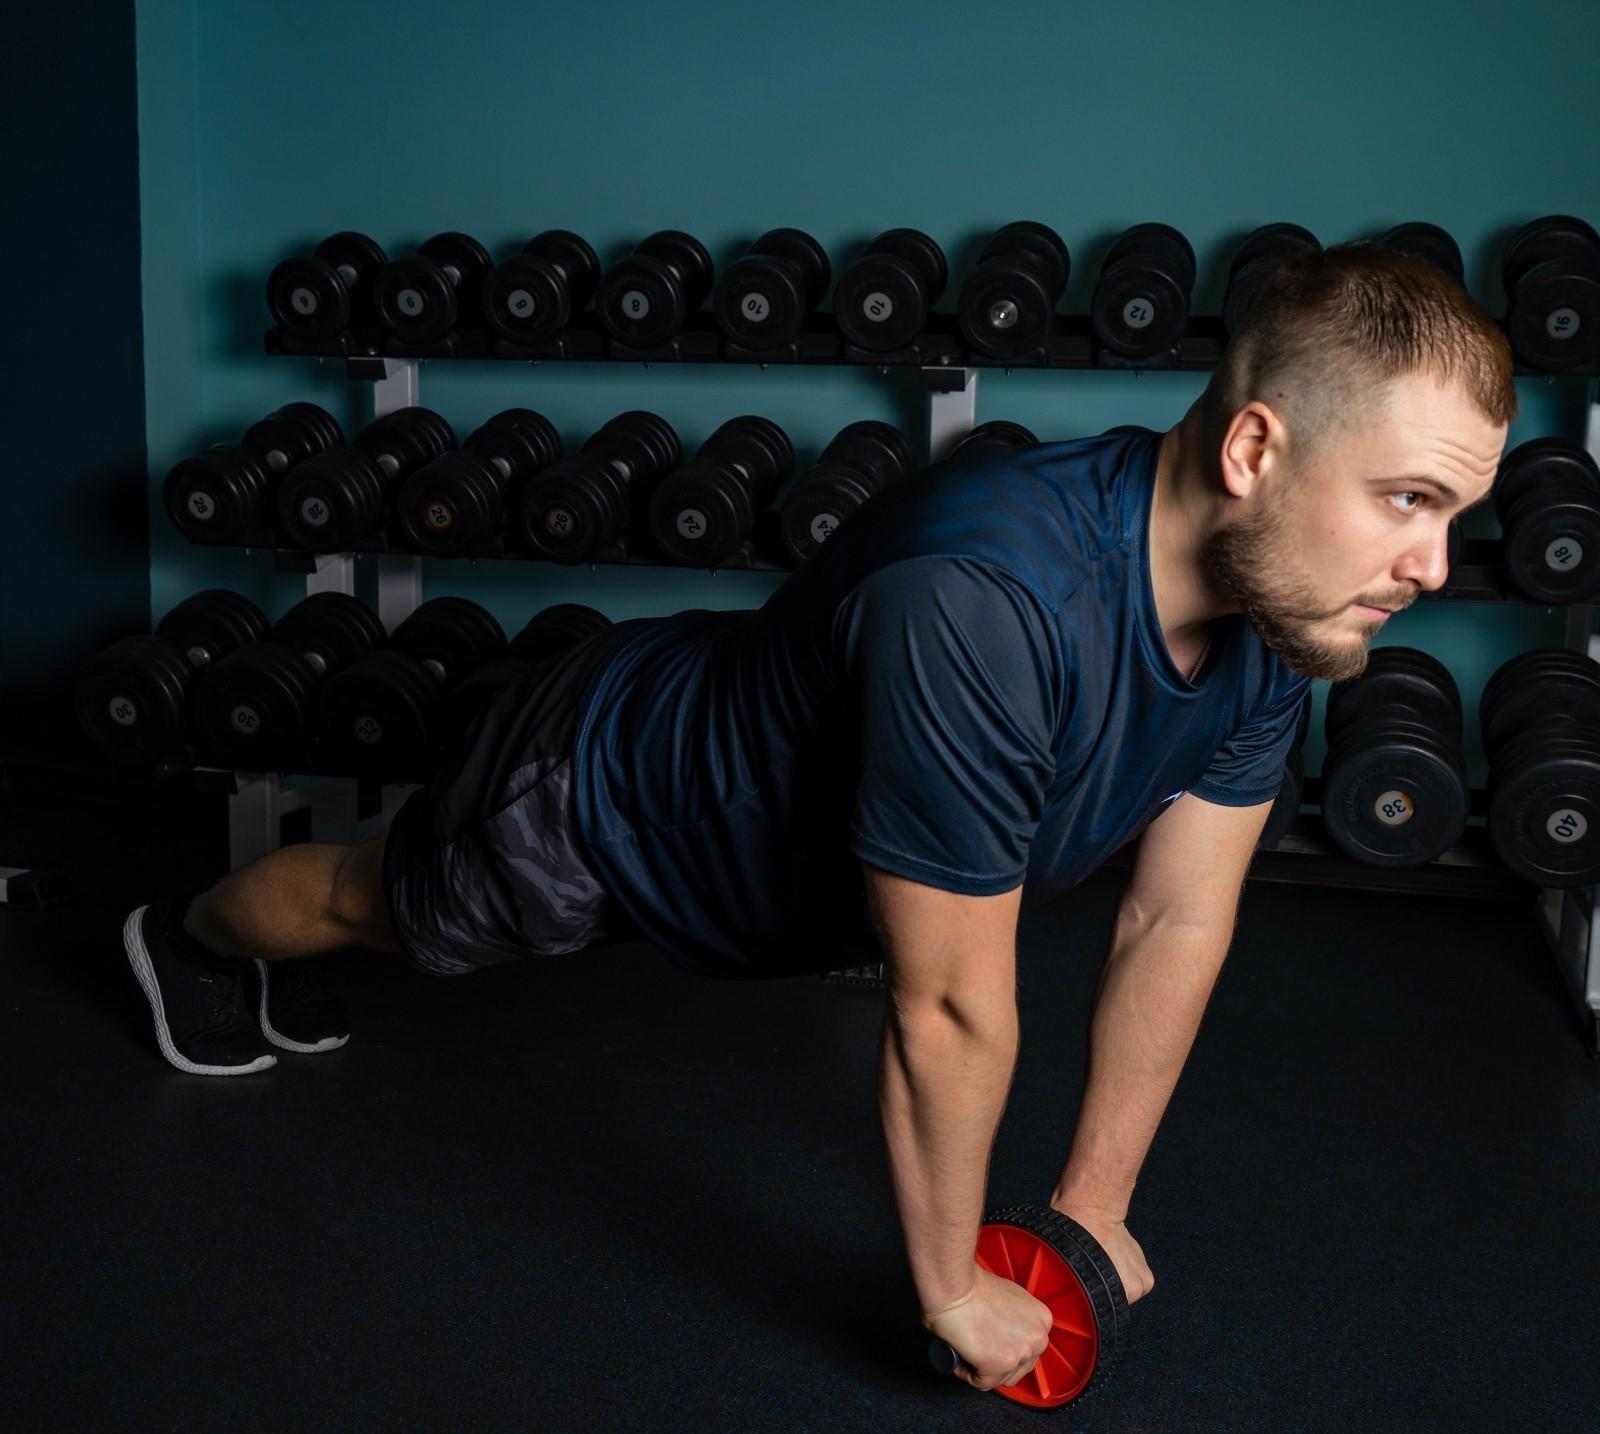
(298, 901)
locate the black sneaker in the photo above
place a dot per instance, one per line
(196, 997)
(297, 1005)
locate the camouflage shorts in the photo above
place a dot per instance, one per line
(481, 864)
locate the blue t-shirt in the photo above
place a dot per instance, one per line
(966, 686)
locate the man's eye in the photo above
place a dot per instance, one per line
(1420, 497)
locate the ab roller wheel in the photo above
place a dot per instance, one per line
(1061, 1264)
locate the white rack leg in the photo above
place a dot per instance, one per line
(253, 812)
(334, 573)
(952, 412)
(398, 388)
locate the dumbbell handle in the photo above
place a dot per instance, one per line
(942, 1356)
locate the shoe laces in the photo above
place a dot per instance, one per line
(222, 988)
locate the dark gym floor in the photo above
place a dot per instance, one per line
(599, 1193)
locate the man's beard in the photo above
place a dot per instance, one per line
(1244, 559)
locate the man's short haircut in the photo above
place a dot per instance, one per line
(1330, 330)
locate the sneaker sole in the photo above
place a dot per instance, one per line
(139, 959)
(327, 1043)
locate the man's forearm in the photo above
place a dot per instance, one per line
(942, 1087)
(1153, 991)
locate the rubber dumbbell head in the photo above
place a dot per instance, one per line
(702, 513)
(1428, 242)
(252, 711)
(291, 434)
(423, 298)
(557, 629)
(1141, 301)
(1007, 307)
(763, 299)
(1544, 803)
(1535, 684)
(579, 507)
(220, 496)
(882, 301)
(317, 297)
(1394, 781)
(1262, 254)
(860, 461)
(645, 299)
(331, 501)
(1551, 271)
(456, 503)
(377, 716)
(1547, 496)
(532, 297)
(132, 698)
(212, 623)
(996, 434)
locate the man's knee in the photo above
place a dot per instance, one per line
(360, 904)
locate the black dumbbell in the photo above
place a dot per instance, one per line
(549, 633)
(862, 459)
(996, 435)
(1551, 270)
(291, 434)
(253, 710)
(1008, 304)
(883, 300)
(224, 495)
(132, 698)
(1428, 242)
(763, 299)
(333, 500)
(645, 299)
(1141, 300)
(1547, 495)
(457, 502)
(1061, 1264)
(1255, 261)
(1540, 719)
(318, 296)
(557, 629)
(532, 297)
(702, 512)
(377, 716)
(576, 509)
(1394, 784)
(1286, 805)
(421, 299)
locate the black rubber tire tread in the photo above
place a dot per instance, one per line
(1093, 1267)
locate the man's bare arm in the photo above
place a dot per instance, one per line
(949, 1049)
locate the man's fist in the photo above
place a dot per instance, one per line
(1112, 1233)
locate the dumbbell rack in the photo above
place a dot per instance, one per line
(258, 802)
(1567, 916)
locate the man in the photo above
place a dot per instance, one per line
(990, 679)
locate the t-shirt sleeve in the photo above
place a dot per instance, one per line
(1248, 767)
(957, 673)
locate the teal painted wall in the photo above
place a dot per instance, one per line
(264, 126)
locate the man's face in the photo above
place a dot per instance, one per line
(1314, 551)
